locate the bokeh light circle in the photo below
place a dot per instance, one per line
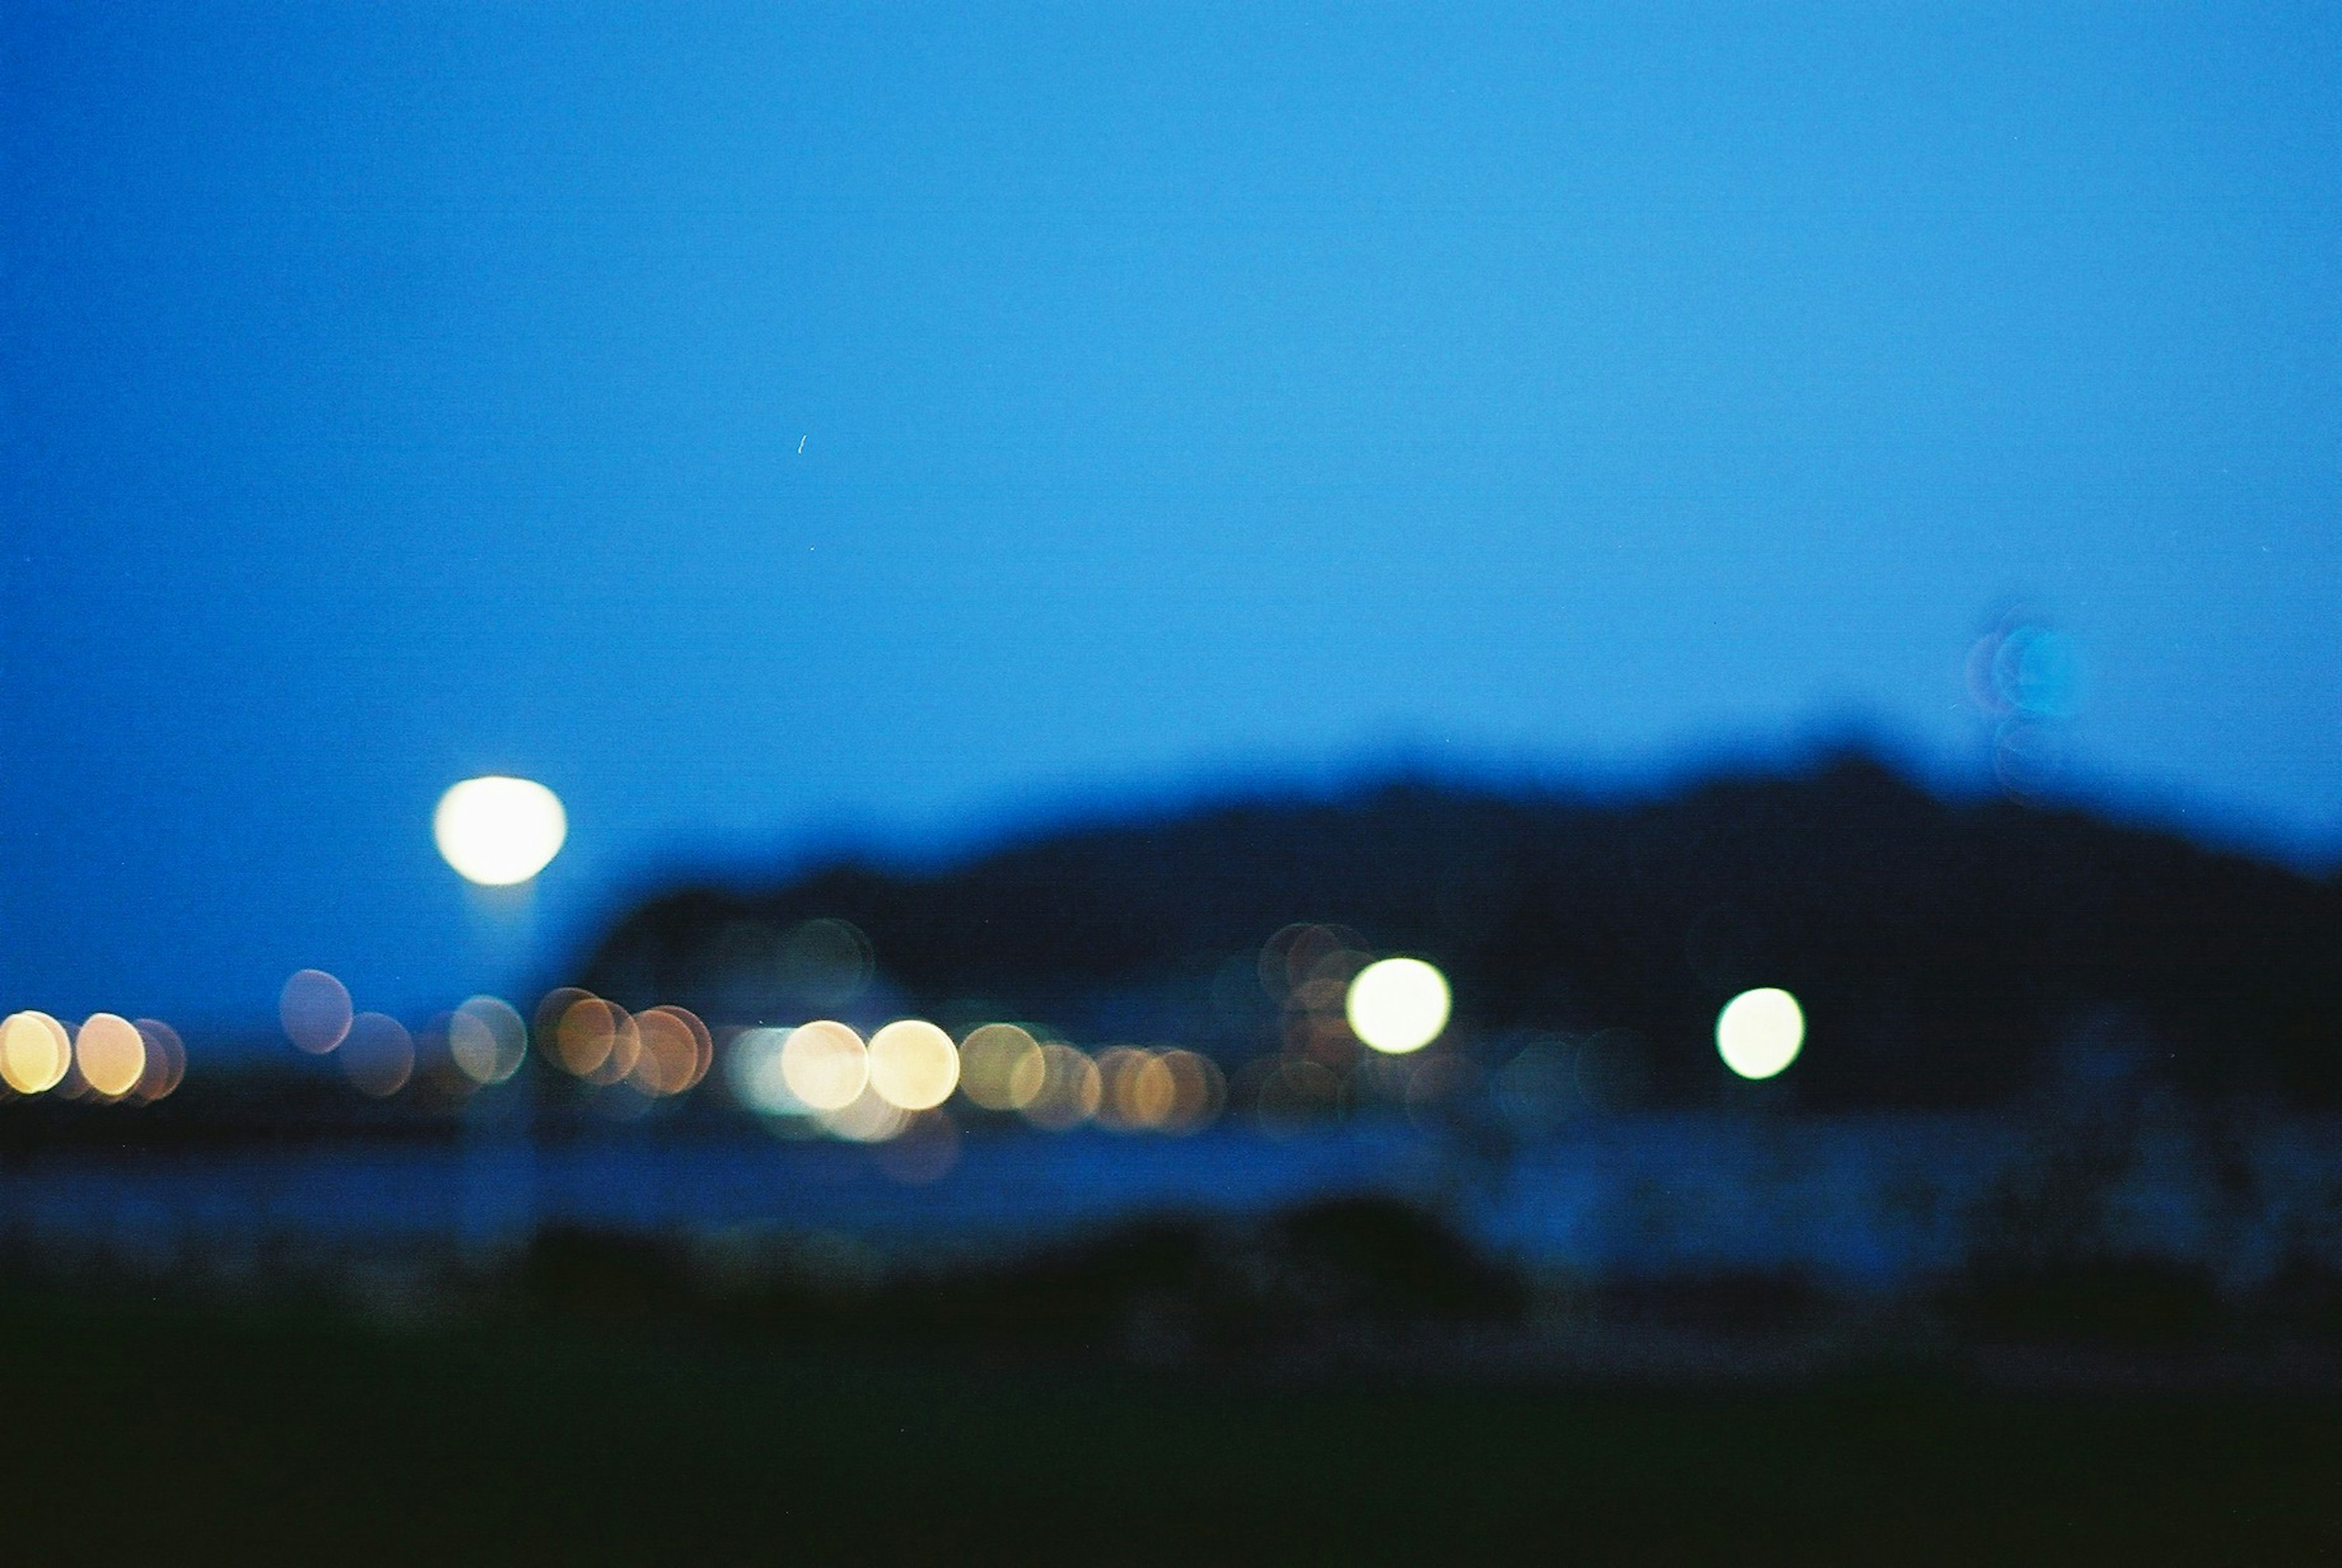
(587, 1033)
(752, 1066)
(487, 1039)
(1397, 1005)
(615, 1030)
(825, 1065)
(1759, 1033)
(35, 1052)
(497, 831)
(1137, 1092)
(315, 1009)
(378, 1056)
(111, 1053)
(1001, 1067)
(1070, 1088)
(1199, 1090)
(914, 1065)
(166, 1060)
(675, 1051)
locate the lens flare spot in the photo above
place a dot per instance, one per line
(1397, 1005)
(498, 831)
(914, 1065)
(1759, 1033)
(825, 1065)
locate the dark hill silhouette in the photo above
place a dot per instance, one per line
(1944, 951)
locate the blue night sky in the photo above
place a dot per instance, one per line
(782, 425)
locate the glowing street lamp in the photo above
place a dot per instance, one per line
(497, 831)
(1759, 1033)
(1397, 1005)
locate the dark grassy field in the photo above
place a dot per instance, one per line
(185, 1435)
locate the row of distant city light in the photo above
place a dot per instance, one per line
(108, 1058)
(825, 1070)
(870, 1090)
(484, 1039)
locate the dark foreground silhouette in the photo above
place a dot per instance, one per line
(627, 1405)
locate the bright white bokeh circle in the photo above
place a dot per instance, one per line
(914, 1065)
(753, 1066)
(498, 831)
(1759, 1033)
(825, 1065)
(1398, 1005)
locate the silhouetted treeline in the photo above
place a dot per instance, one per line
(1947, 952)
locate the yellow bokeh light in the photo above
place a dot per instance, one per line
(1759, 1033)
(825, 1065)
(315, 1009)
(498, 831)
(1397, 1005)
(487, 1039)
(1198, 1090)
(1135, 1090)
(35, 1052)
(1001, 1067)
(111, 1053)
(914, 1065)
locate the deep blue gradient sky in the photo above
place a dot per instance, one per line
(777, 423)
